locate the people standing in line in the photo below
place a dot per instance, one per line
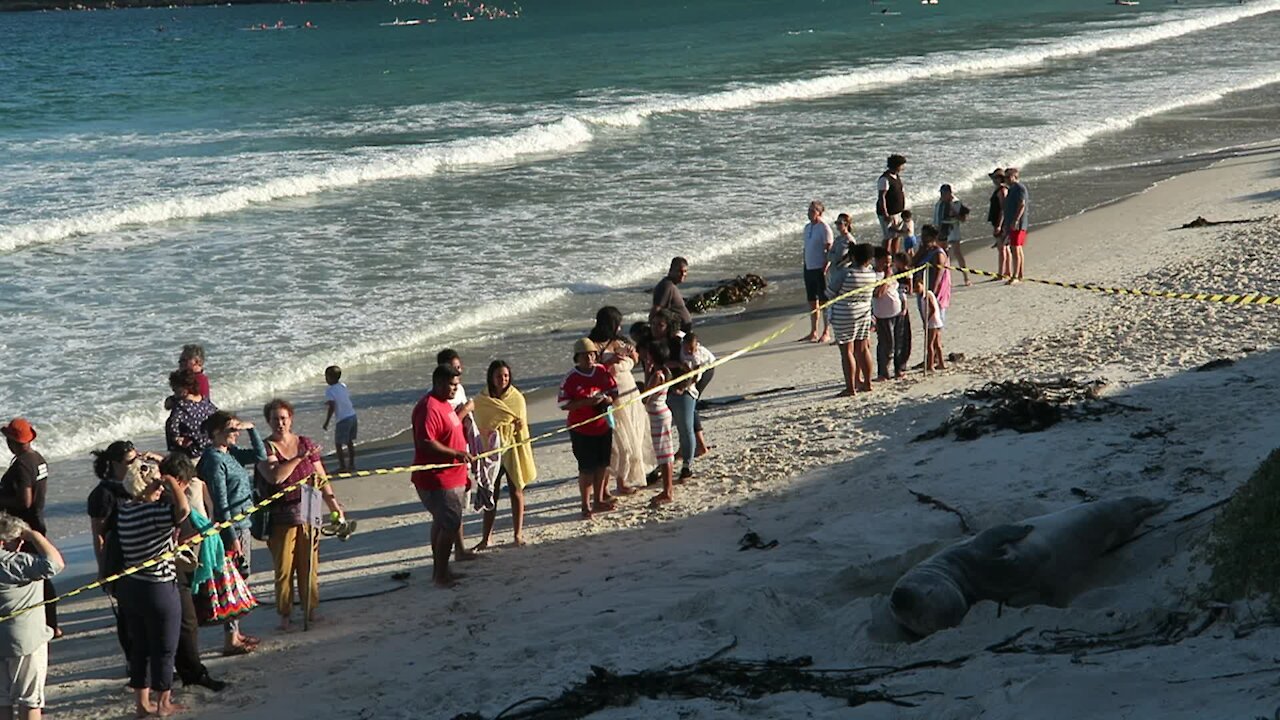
(111, 465)
(818, 241)
(934, 319)
(1014, 222)
(189, 409)
(338, 406)
(192, 358)
(655, 356)
(891, 199)
(632, 454)
(438, 439)
(667, 297)
(501, 408)
(23, 488)
(147, 523)
(681, 398)
(948, 213)
(837, 257)
(27, 560)
(222, 467)
(187, 663)
(463, 407)
(886, 308)
(587, 393)
(696, 356)
(852, 320)
(995, 216)
(902, 327)
(294, 461)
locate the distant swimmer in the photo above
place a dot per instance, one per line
(308, 25)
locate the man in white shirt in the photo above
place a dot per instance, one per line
(817, 243)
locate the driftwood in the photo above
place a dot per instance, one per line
(1025, 406)
(728, 292)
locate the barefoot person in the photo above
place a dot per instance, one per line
(655, 357)
(891, 200)
(1014, 222)
(339, 406)
(222, 467)
(948, 213)
(27, 559)
(632, 455)
(438, 439)
(818, 240)
(995, 215)
(149, 601)
(500, 408)
(586, 393)
(852, 320)
(295, 540)
(462, 407)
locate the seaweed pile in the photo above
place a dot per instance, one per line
(1026, 406)
(728, 292)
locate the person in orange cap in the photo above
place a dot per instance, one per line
(22, 492)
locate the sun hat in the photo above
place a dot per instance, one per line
(19, 430)
(998, 172)
(584, 345)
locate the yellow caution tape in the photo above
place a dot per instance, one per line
(1225, 298)
(218, 527)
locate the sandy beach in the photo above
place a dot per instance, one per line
(830, 480)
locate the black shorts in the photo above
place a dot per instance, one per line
(815, 285)
(593, 452)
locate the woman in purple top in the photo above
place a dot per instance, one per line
(182, 431)
(293, 460)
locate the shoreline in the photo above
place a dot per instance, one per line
(779, 457)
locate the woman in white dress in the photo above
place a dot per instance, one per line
(632, 446)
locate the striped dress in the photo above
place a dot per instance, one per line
(660, 422)
(851, 317)
(146, 530)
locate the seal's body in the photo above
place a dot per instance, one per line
(1035, 561)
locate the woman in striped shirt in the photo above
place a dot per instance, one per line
(851, 320)
(146, 524)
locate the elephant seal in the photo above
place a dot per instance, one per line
(1032, 562)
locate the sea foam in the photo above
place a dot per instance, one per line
(574, 131)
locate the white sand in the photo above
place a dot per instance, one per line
(828, 478)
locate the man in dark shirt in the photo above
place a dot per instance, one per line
(666, 296)
(22, 492)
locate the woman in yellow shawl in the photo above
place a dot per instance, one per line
(500, 408)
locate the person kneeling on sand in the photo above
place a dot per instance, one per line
(438, 439)
(27, 559)
(587, 393)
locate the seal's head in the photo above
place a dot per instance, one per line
(925, 601)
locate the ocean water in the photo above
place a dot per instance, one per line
(364, 194)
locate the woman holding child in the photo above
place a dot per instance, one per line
(632, 453)
(500, 408)
(293, 461)
(851, 318)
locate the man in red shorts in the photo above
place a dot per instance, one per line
(1014, 221)
(587, 391)
(438, 439)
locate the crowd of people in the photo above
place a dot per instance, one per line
(217, 466)
(478, 444)
(835, 265)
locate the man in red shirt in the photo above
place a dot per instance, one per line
(438, 439)
(587, 391)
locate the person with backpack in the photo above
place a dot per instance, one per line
(110, 466)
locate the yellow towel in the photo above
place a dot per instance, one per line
(500, 414)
